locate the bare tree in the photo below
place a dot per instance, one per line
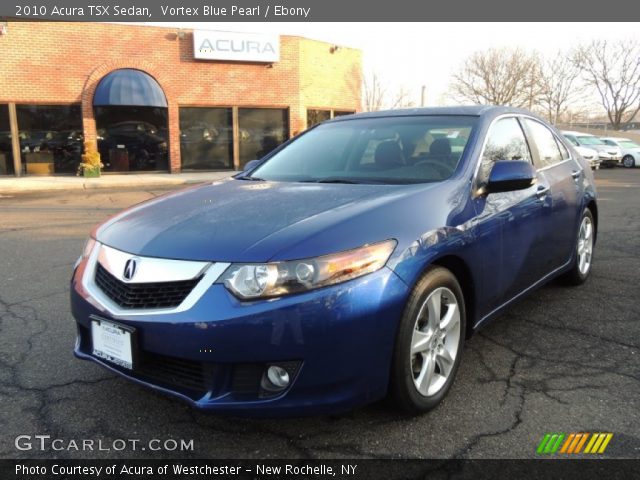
(498, 76)
(613, 69)
(373, 91)
(377, 94)
(402, 99)
(559, 86)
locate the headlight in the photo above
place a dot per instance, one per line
(88, 247)
(248, 281)
(86, 251)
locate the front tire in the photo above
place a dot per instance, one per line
(628, 161)
(429, 342)
(583, 256)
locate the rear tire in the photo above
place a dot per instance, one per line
(429, 342)
(583, 254)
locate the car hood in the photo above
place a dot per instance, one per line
(585, 151)
(605, 148)
(248, 221)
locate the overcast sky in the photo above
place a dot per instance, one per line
(416, 54)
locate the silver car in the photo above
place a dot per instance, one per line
(630, 150)
(610, 156)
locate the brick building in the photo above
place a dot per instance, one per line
(142, 97)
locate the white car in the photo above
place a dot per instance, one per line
(630, 150)
(590, 155)
(609, 155)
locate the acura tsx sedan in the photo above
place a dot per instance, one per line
(347, 265)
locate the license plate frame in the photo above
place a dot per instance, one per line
(114, 342)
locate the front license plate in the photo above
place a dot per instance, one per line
(112, 342)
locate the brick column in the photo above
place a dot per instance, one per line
(297, 119)
(175, 162)
(15, 140)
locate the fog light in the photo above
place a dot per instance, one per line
(277, 378)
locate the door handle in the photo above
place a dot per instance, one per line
(576, 174)
(542, 191)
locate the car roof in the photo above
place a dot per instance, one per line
(472, 110)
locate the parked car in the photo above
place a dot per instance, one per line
(630, 150)
(348, 264)
(609, 155)
(591, 156)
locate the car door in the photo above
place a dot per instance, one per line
(511, 226)
(564, 176)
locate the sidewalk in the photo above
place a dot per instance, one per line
(12, 185)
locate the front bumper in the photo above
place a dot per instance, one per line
(610, 160)
(339, 341)
(594, 162)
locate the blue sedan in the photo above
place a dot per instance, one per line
(349, 264)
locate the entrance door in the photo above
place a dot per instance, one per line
(131, 121)
(132, 139)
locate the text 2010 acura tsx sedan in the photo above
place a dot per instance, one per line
(349, 264)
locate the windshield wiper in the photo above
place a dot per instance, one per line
(253, 179)
(332, 180)
(337, 180)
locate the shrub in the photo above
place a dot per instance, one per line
(91, 163)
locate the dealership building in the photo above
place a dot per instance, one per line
(159, 99)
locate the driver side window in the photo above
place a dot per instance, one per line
(505, 141)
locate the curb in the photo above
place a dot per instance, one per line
(30, 185)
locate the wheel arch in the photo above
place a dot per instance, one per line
(459, 268)
(593, 208)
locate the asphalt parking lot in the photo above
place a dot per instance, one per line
(563, 360)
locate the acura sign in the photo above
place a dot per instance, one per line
(239, 47)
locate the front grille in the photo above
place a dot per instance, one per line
(143, 295)
(174, 372)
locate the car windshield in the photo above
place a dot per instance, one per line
(628, 144)
(394, 150)
(589, 140)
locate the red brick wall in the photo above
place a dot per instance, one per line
(51, 62)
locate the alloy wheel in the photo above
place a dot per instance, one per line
(628, 161)
(435, 340)
(585, 245)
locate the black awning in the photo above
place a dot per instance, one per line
(129, 87)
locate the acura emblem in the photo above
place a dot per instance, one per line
(130, 268)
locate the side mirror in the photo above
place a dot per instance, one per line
(250, 165)
(510, 175)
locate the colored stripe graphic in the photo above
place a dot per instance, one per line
(603, 447)
(573, 443)
(550, 443)
(567, 442)
(543, 443)
(598, 443)
(581, 442)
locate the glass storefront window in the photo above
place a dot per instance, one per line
(51, 138)
(6, 153)
(340, 113)
(132, 138)
(206, 138)
(260, 130)
(317, 116)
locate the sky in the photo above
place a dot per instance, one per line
(411, 55)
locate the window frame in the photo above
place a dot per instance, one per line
(476, 178)
(476, 191)
(538, 163)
